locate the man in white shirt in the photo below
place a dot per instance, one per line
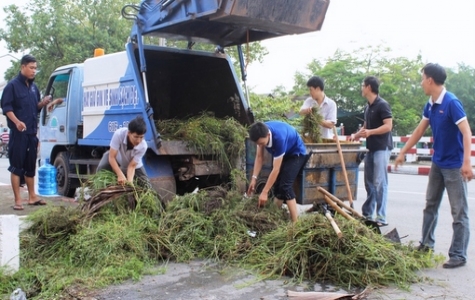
(327, 107)
(127, 148)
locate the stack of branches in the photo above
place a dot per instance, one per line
(105, 190)
(221, 138)
(311, 126)
(107, 195)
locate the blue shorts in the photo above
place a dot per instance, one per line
(22, 153)
(290, 168)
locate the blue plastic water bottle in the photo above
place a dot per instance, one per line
(47, 180)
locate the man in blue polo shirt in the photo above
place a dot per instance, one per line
(289, 154)
(451, 167)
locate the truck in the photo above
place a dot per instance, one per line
(104, 93)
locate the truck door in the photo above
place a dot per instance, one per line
(53, 117)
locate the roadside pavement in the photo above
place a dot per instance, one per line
(7, 201)
(408, 168)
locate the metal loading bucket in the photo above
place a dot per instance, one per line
(230, 22)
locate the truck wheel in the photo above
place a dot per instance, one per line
(165, 188)
(66, 185)
(260, 184)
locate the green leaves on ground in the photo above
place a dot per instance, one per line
(62, 247)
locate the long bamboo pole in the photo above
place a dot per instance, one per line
(343, 167)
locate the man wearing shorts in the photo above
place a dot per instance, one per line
(21, 104)
(289, 154)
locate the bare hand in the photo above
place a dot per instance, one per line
(399, 161)
(20, 126)
(467, 172)
(252, 187)
(365, 133)
(262, 199)
(121, 179)
(45, 101)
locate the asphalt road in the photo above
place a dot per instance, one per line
(199, 280)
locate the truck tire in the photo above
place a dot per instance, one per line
(66, 185)
(165, 188)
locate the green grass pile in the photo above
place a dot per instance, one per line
(310, 250)
(311, 126)
(66, 247)
(223, 139)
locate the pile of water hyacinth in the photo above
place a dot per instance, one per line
(103, 241)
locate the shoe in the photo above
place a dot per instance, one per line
(381, 224)
(454, 263)
(424, 248)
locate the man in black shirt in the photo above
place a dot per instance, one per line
(379, 142)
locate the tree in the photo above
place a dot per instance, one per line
(276, 106)
(61, 32)
(461, 82)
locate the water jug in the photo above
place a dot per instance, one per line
(47, 179)
(18, 294)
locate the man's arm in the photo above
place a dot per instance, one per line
(385, 128)
(330, 118)
(46, 99)
(20, 126)
(306, 107)
(257, 169)
(415, 137)
(131, 171)
(115, 166)
(270, 180)
(51, 106)
(7, 107)
(467, 171)
(277, 162)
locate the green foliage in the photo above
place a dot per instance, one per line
(60, 32)
(278, 106)
(311, 126)
(221, 138)
(310, 249)
(61, 248)
(461, 83)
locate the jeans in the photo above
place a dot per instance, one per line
(376, 184)
(452, 181)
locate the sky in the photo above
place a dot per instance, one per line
(441, 31)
